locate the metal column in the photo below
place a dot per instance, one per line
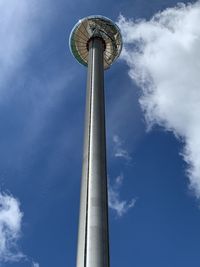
(93, 240)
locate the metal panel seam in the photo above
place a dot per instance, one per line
(89, 126)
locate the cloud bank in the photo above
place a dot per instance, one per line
(164, 59)
(10, 228)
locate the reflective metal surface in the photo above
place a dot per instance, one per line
(93, 239)
(96, 26)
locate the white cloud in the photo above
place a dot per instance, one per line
(35, 264)
(115, 203)
(164, 59)
(119, 151)
(10, 228)
(17, 32)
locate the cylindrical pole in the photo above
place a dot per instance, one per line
(93, 240)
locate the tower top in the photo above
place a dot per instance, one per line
(91, 27)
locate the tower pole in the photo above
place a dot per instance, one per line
(95, 42)
(93, 241)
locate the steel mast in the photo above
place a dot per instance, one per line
(96, 42)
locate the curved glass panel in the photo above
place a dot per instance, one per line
(96, 26)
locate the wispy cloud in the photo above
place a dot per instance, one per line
(10, 228)
(119, 151)
(163, 55)
(24, 28)
(35, 264)
(115, 203)
(18, 31)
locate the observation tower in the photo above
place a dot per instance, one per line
(95, 42)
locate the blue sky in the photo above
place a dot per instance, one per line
(153, 149)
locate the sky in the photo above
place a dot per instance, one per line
(153, 127)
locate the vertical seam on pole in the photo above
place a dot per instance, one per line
(106, 183)
(89, 126)
(106, 233)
